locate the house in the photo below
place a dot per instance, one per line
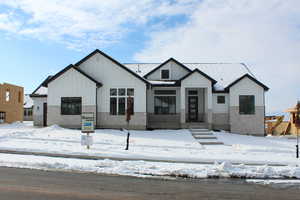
(171, 95)
(11, 103)
(28, 108)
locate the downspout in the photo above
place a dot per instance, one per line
(265, 114)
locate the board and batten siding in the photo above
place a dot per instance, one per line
(112, 75)
(221, 112)
(176, 71)
(247, 124)
(70, 84)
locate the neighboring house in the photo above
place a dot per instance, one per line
(11, 103)
(164, 95)
(28, 108)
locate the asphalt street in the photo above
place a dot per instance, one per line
(27, 184)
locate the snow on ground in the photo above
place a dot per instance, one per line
(149, 169)
(167, 145)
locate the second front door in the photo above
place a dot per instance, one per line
(193, 108)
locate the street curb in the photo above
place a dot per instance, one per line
(87, 157)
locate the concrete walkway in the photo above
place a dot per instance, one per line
(88, 157)
(204, 136)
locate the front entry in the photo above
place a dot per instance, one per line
(193, 108)
(45, 114)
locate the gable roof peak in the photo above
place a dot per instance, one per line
(162, 64)
(111, 59)
(266, 88)
(200, 72)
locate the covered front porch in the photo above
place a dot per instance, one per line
(178, 107)
(195, 107)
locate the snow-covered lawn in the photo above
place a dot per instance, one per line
(150, 169)
(167, 145)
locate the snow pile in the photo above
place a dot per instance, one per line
(163, 145)
(146, 169)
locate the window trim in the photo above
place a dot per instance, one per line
(165, 95)
(161, 74)
(117, 96)
(222, 101)
(248, 113)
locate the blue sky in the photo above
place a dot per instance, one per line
(38, 38)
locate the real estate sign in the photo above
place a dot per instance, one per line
(87, 122)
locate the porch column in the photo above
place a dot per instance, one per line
(182, 105)
(209, 107)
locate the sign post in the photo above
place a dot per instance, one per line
(87, 126)
(297, 123)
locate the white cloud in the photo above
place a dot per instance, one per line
(85, 23)
(263, 34)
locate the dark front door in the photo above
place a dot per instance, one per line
(45, 114)
(193, 108)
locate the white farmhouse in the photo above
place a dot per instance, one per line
(170, 95)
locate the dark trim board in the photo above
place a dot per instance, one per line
(114, 61)
(162, 64)
(38, 95)
(251, 78)
(200, 72)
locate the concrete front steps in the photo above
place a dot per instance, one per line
(205, 136)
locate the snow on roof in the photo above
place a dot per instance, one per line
(28, 103)
(41, 91)
(162, 82)
(223, 73)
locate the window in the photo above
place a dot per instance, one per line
(121, 106)
(247, 104)
(19, 97)
(221, 99)
(2, 117)
(193, 92)
(71, 105)
(165, 92)
(165, 102)
(165, 74)
(7, 95)
(119, 100)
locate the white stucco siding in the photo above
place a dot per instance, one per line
(176, 71)
(111, 75)
(72, 84)
(220, 108)
(246, 87)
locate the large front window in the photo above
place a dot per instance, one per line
(120, 100)
(165, 102)
(247, 104)
(71, 105)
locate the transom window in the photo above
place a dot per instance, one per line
(165, 102)
(247, 104)
(120, 100)
(71, 105)
(193, 92)
(165, 74)
(221, 99)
